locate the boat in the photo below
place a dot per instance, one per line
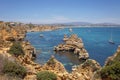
(70, 29)
(111, 40)
(41, 35)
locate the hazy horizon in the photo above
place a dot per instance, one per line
(60, 11)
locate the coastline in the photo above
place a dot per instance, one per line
(90, 27)
(82, 71)
(40, 67)
(43, 28)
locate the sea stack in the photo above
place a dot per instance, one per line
(73, 44)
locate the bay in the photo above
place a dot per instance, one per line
(95, 40)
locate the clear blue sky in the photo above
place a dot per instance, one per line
(56, 11)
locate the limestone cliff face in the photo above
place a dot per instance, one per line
(86, 70)
(4, 34)
(29, 50)
(32, 68)
(54, 65)
(29, 55)
(27, 61)
(74, 44)
(11, 33)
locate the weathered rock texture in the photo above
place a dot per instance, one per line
(86, 70)
(74, 44)
(11, 33)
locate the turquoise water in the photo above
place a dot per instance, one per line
(95, 41)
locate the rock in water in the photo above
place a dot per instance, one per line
(74, 44)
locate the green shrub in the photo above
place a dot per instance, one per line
(116, 59)
(111, 71)
(46, 75)
(51, 61)
(16, 49)
(89, 63)
(31, 25)
(14, 69)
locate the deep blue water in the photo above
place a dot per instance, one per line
(95, 41)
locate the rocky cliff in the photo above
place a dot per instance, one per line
(89, 70)
(12, 33)
(111, 69)
(113, 58)
(86, 70)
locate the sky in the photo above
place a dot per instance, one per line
(60, 11)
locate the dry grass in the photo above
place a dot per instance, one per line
(5, 77)
(2, 75)
(2, 60)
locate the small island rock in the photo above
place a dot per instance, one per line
(74, 44)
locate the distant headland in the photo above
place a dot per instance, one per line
(54, 26)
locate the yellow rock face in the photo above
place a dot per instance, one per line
(4, 34)
(14, 33)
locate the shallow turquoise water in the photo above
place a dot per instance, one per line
(95, 41)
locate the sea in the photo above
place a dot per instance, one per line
(95, 39)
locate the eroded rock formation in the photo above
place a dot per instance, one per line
(11, 33)
(73, 44)
(86, 70)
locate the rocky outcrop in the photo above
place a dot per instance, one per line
(89, 70)
(55, 65)
(112, 58)
(111, 69)
(52, 65)
(74, 44)
(27, 61)
(8, 33)
(83, 71)
(29, 50)
(86, 70)
(32, 68)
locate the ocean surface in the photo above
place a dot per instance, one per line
(95, 41)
